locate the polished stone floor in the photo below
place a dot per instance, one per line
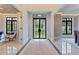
(67, 46)
(39, 47)
(9, 48)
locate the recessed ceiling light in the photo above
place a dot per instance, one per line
(39, 15)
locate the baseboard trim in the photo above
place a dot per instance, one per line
(23, 47)
(55, 47)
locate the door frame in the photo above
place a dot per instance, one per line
(39, 27)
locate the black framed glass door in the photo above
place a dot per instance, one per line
(39, 28)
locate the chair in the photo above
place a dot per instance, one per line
(10, 37)
(1, 34)
(2, 37)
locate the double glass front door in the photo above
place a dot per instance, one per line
(39, 28)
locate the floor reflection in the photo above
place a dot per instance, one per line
(66, 48)
(69, 47)
(9, 48)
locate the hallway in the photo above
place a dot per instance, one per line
(39, 47)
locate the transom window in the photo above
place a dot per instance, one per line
(39, 16)
(67, 26)
(11, 25)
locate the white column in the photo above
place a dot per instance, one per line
(48, 26)
(25, 27)
(30, 26)
(52, 27)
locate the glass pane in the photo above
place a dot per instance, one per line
(39, 16)
(69, 18)
(64, 27)
(7, 18)
(69, 27)
(14, 26)
(8, 22)
(42, 27)
(10, 18)
(64, 19)
(36, 28)
(14, 18)
(8, 27)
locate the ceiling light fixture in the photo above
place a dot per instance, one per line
(39, 15)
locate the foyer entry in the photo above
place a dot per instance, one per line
(39, 28)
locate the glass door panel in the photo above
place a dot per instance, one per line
(36, 27)
(39, 28)
(43, 28)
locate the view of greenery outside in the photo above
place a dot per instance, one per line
(36, 30)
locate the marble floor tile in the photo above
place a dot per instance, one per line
(10, 48)
(39, 47)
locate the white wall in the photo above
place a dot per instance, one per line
(1, 22)
(48, 18)
(30, 25)
(57, 26)
(52, 27)
(76, 22)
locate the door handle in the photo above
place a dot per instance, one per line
(39, 30)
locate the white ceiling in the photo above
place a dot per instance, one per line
(39, 12)
(70, 9)
(7, 8)
(67, 8)
(38, 8)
